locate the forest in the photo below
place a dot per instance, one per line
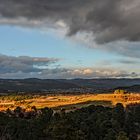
(88, 123)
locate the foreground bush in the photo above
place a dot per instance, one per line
(90, 123)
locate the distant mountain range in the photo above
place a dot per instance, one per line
(34, 85)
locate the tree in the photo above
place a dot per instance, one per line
(122, 136)
(119, 91)
(110, 135)
(137, 113)
(119, 114)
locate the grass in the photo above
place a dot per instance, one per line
(83, 104)
(66, 101)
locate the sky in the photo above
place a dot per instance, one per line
(53, 39)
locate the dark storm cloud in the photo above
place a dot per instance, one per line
(25, 64)
(124, 48)
(108, 20)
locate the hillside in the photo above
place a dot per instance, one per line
(62, 85)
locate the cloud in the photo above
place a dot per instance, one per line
(107, 20)
(131, 62)
(23, 64)
(63, 73)
(48, 68)
(124, 48)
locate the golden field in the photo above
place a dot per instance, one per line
(66, 101)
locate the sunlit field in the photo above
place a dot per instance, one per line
(68, 102)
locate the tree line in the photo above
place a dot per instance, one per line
(89, 123)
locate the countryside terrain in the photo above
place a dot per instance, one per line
(74, 113)
(41, 86)
(68, 102)
(69, 94)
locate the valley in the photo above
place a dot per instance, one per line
(68, 102)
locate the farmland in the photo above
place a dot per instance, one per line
(68, 102)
